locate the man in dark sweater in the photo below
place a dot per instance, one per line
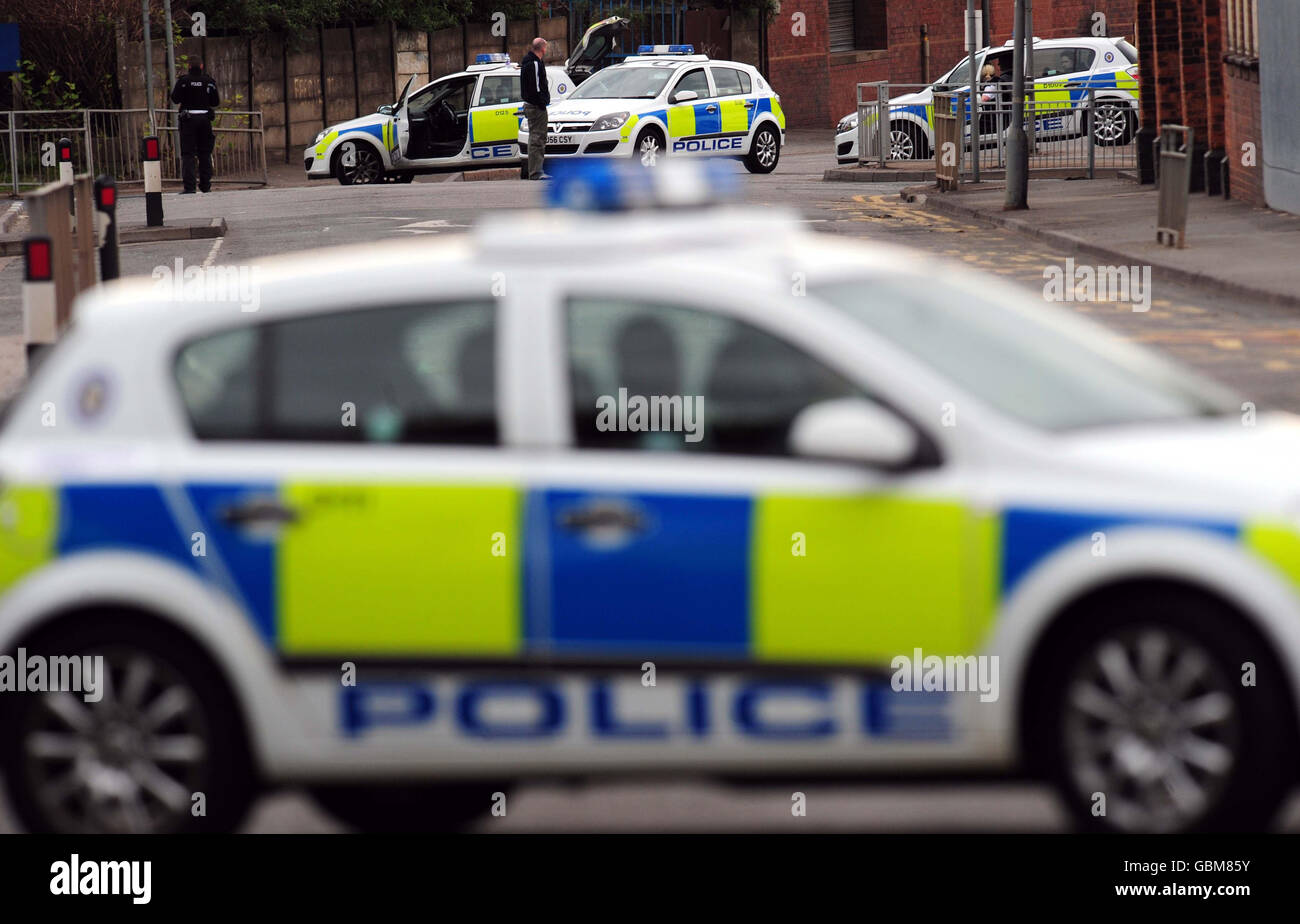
(537, 96)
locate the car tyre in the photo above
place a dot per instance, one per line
(368, 167)
(407, 808)
(166, 728)
(650, 148)
(1141, 699)
(907, 142)
(764, 150)
(1114, 124)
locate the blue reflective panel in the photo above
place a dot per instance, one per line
(643, 572)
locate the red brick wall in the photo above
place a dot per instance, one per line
(1241, 102)
(818, 88)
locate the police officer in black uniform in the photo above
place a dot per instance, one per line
(196, 96)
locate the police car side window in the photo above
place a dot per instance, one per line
(408, 374)
(694, 80)
(666, 378)
(730, 82)
(498, 90)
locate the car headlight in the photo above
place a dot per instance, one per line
(849, 121)
(606, 122)
(321, 136)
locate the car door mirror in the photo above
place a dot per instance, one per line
(683, 96)
(853, 430)
(386, 109)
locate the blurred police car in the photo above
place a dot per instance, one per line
(546, 522)
(668, 100)
(1063, 71)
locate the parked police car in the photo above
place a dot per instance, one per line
(448, 540)
(464, 120)
(1063, 71)
(667, 100)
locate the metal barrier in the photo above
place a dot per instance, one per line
(947, 140)
(1175, 185)
(1070, 128)
(108, 141)
(873, 131)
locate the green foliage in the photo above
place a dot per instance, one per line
(53, 92)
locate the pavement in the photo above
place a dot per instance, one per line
(1231, 247)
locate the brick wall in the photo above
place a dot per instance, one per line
(818, 88)
(1242, 124)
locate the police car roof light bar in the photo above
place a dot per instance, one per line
(665, 49)
(496, 57)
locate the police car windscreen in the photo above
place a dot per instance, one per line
(1047, 370)
(624, 83)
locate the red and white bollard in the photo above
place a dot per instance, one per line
(150, 155)
(40, 320)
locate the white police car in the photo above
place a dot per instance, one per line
(667, 100)
(578, 524)
(1063, 70)
(464, 120)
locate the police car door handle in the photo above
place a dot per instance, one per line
(605, 516)
(710, 108)
(749, 104)
(258, 512)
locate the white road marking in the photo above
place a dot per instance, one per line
(212, 254)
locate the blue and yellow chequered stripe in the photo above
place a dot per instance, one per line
(399, 569)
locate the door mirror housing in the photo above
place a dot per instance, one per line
(853, 430)
(683, 96)
(386, 109)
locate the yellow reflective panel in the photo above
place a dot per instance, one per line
(495, 124)
(735, 117)
(681, 120)
(29, 521)
(401, 569)
(865, 578)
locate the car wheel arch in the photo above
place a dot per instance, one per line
(1060, 628)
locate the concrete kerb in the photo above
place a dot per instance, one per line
(193, 229)
(944, 203)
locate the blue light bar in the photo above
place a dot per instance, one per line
(496, 57)
(603, 185)
(665, 49)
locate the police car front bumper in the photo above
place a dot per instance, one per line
(317, 167)
(846, 146)
(585, 144)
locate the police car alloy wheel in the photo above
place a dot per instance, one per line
(1112, 124)
(163, 731)
(906, 143)
(764, 152)
(650, 148)
(1153, 727)
(359, 164)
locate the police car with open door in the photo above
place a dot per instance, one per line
(667, 101)
(465, 120)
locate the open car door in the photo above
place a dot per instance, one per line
(398, 129)
(596, 48)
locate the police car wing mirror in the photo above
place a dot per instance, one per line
(386, 109)
(853, 430)
(682, 96)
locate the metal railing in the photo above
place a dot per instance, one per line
(1070, 128)
(947, 139)
(108, 141)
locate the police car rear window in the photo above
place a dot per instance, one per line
(409, 374)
